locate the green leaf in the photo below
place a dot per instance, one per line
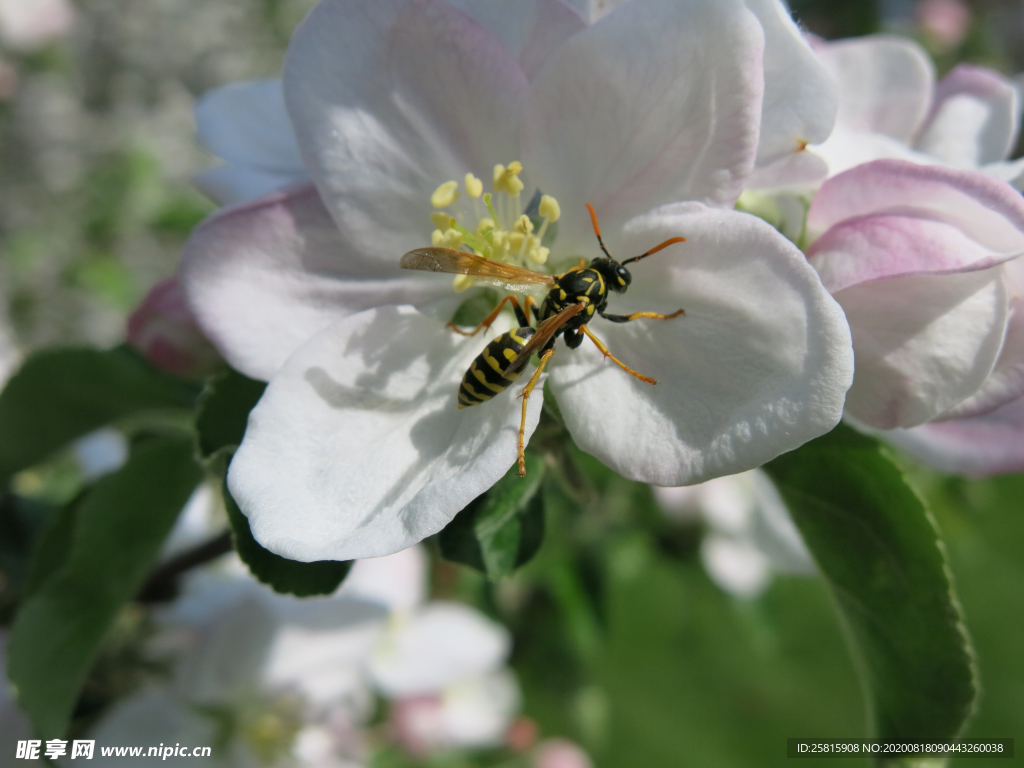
(117, 533)
(878, 550)
(224, 411)
(61, 394)
(502, 529)
(281, 574)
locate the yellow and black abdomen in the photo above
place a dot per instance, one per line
(489, 374)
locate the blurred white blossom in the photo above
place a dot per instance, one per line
(750, 534)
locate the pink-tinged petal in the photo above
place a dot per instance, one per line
(983, 446)
(923, 343)
(561, 753)
(391, 98)
(986, 211)
(974, 120)
(800, 96)
(163, 329)
(886, 247)
(759, 364)
(358, 448)
(1006, 382)
(626, 131)
(264, 277)
(529, 29)
(885, 84)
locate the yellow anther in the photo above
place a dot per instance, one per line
(442, 221)
(474, 187)
(523, 225)
(539, 255)
(462, 283)
(445, 195)
(437, 238)
(452, 238)
(506, 178)
(549, 208)
(484, 224)
(515, 241)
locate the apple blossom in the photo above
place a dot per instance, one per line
(357, 448)
(298, 677)
(924, 261)
(750, 534)
(891, 107)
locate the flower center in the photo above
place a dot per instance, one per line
(499, 229)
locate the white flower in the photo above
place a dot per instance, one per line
(357, 447)
(891, 107)
(750, 534)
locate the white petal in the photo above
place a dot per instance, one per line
(358, 449)
(800, 96)
(529, 29)
(974, 120)
(759, 365)
(229, 655)
(885, 84)
(263, 278)
(398, 581)
(390, 100)
(735, 565)
(440, 645)
(659, 101)
(247, 125)
(478, 712)
(923, 343)
(323, 662)
(987, 445)
(1006, 382)
(846, 149)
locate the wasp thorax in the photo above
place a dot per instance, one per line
(501, 230)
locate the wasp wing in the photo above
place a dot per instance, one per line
(545, 332)
(464, 263)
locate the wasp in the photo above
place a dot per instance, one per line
(572, 301)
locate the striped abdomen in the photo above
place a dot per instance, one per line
(489, 374)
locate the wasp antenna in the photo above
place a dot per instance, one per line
(597, 230)
(655, 249)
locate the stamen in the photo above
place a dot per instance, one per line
(549, 208)
(474, 187)
(539, 255)
(445, 195)
(462, 283)
(441, 220)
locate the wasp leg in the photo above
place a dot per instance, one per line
(521, 316)
(614, 359)
(529, 304)
(637, 315)
(526, 396)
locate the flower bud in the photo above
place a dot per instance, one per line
(163, 329)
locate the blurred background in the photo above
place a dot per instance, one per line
(646, 660)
